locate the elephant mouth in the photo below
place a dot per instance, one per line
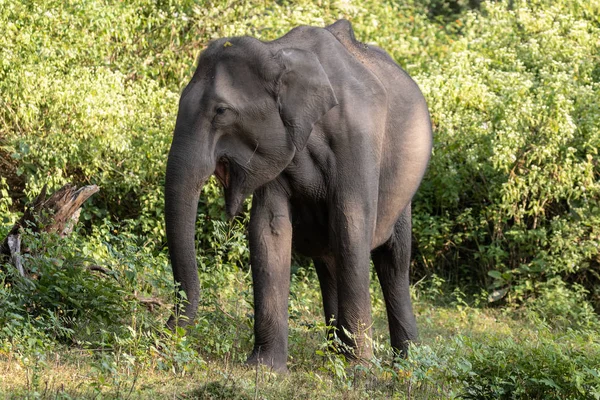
(222, 172)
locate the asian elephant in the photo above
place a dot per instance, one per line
(332, 138)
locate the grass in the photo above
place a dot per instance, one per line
(229, 379)
(460, 347)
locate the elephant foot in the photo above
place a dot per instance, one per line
(356, 356)
(172, 323)
(401, 350)
(353, 350)
(277, 362)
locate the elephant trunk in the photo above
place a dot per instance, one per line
(183, 183)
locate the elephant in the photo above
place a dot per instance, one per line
(332, 138)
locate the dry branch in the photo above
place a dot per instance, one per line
(14, 245)
(103, 270)
(150, 302)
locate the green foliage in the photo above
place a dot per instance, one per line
(552, 369)
(5, 204)
(512, 188)
(60, 295)
(563, 306)
(513, 183)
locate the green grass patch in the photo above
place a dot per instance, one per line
(464, 352)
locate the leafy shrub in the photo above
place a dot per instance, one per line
(444, 9)
(549, 369)
(5, 203)
(562, 306)
(513, 183)
(60, 292)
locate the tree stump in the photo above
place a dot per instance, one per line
(55, 214)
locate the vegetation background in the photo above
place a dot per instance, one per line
(506, 265)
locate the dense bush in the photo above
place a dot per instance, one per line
(513, 191)
(510, 199)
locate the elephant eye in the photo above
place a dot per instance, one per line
(223, 116)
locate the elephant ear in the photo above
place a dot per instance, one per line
(305, 93)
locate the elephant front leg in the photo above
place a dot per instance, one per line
(270, 253)
(352, 235)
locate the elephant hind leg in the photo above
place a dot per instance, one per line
(392, 261)
(325, 267)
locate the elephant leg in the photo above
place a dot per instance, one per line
(351, 237)
(325, 267)
(392, 262)
(270, 234)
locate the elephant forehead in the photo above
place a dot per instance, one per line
(236, 83)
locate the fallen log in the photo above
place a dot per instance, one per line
(58, 213)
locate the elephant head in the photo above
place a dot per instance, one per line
(246, 112)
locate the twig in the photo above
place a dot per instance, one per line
(101, 269)
(150, 302)
(135, 378)
(225, 312)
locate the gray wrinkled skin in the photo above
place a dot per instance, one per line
(333, 139)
